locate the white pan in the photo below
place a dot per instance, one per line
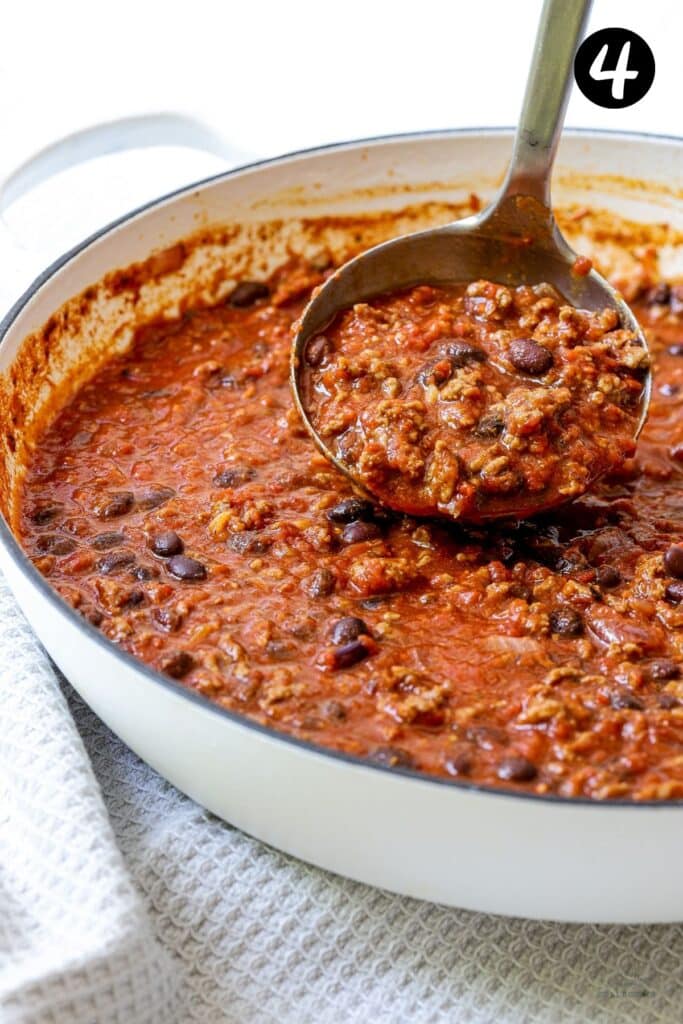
(449, 842)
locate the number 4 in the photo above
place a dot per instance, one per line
(620, 74)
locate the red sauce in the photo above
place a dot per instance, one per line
(179, 505)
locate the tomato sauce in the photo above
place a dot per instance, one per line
(179, 505)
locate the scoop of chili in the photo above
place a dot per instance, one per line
(476, 401)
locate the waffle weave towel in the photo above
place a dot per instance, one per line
(123, 902)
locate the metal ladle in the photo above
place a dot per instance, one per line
(514, 241)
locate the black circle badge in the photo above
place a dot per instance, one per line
(614, 67)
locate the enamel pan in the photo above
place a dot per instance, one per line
(449, 842)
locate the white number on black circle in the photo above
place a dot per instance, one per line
(620, 73)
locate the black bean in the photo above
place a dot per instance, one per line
(317, 350)
(145, 572)
(63, 546)
(347, 629)
(184, 568)
(569, 562)
(506, 550)
(436, 372)
(522, 592)
(462, 352)
(350, 509)
(527, 356)
(248, 292)
(566, 622)
(56, 544)
(152, 497)
(359, 531)
(606, 576)
(458, 764)
(676, 450)
(135, 597)
(663, 668)
(349, 654)
(490, 425)
(334, 710)
(104, 541)
(234, 476)
(45, 512)
(392, 757)
(168, 617)
(545, 547)
(279, 650)
(320, 583)
(116, 504)
(166, 544)
(516, 769)
(674, 592)
(658, 295)
(673, 561)
(177, 664)
(675, 350)
(622, 700)
(114, 561)
(249, 542)
(669, 390)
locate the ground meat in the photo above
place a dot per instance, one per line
(476, 401)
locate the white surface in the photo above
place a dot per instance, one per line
(277, 76)
(271, 77)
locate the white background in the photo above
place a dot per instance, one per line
(270, 77)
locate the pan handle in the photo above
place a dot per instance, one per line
(162, 129)
(20, 263)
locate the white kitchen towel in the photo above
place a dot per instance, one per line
(123, 902)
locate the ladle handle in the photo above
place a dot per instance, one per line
(545, 100)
